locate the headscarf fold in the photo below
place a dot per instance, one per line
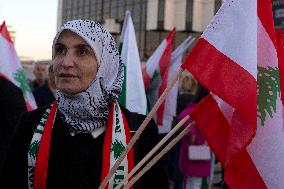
(88, 110)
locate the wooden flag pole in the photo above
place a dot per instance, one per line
(150, 154)
(141, 128)
(157, 157)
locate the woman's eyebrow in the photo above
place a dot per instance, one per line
(59, 44)
(82, 45)
(75, 46)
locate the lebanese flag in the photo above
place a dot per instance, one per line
(159, 62)
(238, 44)
(224, 61)
(157, 68)
(11, 68)
(171, 99)
(133, 80)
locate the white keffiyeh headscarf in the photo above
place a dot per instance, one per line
(88, 110)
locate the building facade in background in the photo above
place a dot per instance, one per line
(153, 19)
(278, 13)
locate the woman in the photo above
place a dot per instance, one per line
(73, 143)
(193, 171)
(187, 90)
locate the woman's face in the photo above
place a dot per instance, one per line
(186, 84)
(74, 63)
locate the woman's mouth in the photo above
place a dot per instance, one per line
(66, 75)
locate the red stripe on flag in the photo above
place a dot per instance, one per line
(164, 65)
(4, 32)
(224, 77)
(241, 134)
(41, 165)
(107, 145)
(280, 54)
(265, 14)
(146, 77)
(213, 126)
(240, 171)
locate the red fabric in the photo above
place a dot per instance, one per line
(240, 171)
(164, 65)
(146, 77)
(241, 134)
(213, 126)
(28, 105)
(4, 32)
(280, 54)
(265, 15)
(130, 155)
(107, 146)
(41, 165)
(224, 78)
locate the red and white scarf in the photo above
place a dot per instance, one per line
(117, 137)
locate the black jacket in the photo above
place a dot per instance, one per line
(12, 104)
(43, 95)
(76, 161)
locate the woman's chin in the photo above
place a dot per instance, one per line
(69, 90)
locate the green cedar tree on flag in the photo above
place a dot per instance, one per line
(11, 68)
(133, 95)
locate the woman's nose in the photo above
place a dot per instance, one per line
(68, 60)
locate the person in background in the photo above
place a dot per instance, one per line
(12, 105)
(45, 94)
(187, 90)
(186, 93)
(85, 130)
(193, 171)
(40, 73)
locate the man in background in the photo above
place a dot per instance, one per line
(40, 73)
(45, 94)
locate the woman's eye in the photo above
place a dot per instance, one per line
(82, 51)
(59, 50)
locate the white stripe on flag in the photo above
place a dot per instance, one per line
(239, 40)
(152, 63)
(266, 55)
